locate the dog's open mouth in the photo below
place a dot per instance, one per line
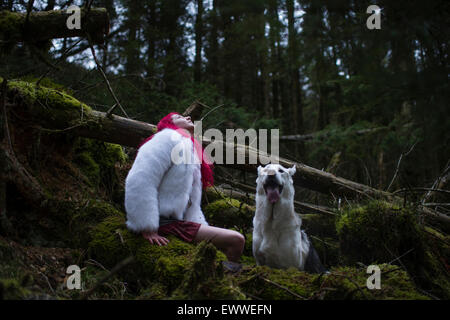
(273, 190)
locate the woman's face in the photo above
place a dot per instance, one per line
(183, 122)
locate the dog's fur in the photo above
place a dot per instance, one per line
(278, 241)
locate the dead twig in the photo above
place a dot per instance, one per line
(436, 183)
(113, 271)
(437, 204)
(96, 263)
(48, 282)
(398, 258)
(283, 288)
(59, 60)
(100, 69)
(420, 190)
(5, 116)
(209, 110)
(398, 165)
(358, 288)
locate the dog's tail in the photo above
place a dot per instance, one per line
(313, 263)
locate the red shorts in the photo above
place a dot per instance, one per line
(185, 230)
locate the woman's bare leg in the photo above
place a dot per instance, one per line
(229, 241)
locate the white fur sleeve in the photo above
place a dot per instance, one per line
(194, 213)
(143, 180)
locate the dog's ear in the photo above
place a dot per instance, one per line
(292, 170)
(259, 170)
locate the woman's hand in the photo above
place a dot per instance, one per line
(155, 238)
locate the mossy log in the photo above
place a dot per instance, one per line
(41, 26)
(56, 111)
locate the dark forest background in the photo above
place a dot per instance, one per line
(307, 66)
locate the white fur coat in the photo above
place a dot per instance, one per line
(156, 186)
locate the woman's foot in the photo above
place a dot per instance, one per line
(232, 267)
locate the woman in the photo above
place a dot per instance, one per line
(163, 194)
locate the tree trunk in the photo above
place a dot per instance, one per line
(274, 39)
(46, 25)
(198, 42)
(151, 39)
(212, 51)
(133, 43)
(294, 74)
(2, 154)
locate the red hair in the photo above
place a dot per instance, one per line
(206, 165)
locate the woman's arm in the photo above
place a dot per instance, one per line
(194, 212)
(143, 180)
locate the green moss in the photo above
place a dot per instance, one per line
(276, 284)
(341, 283)
(111, 289)
(319, 225)
(170, 270)
(327, 249)
(205, 277)
(185, 271)
(86, 217)
(11, 24)
(212, 194)
(113, 242)
(229, 213)
(192, 271)
(53, 106)
(381, 232)
(12, 289)
(248, 246)
(97, 160)
(378, 231)
(89, 167)
(6, 252)
(156, 291)
(351, 283)
(48, 83)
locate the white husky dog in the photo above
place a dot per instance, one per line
(278, 241)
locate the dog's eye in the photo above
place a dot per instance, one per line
(280, 171)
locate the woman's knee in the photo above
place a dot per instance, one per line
(237, 240)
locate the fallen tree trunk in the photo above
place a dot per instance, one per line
(56, 111)
(59, 112)
(44, 25)
(323, 135)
